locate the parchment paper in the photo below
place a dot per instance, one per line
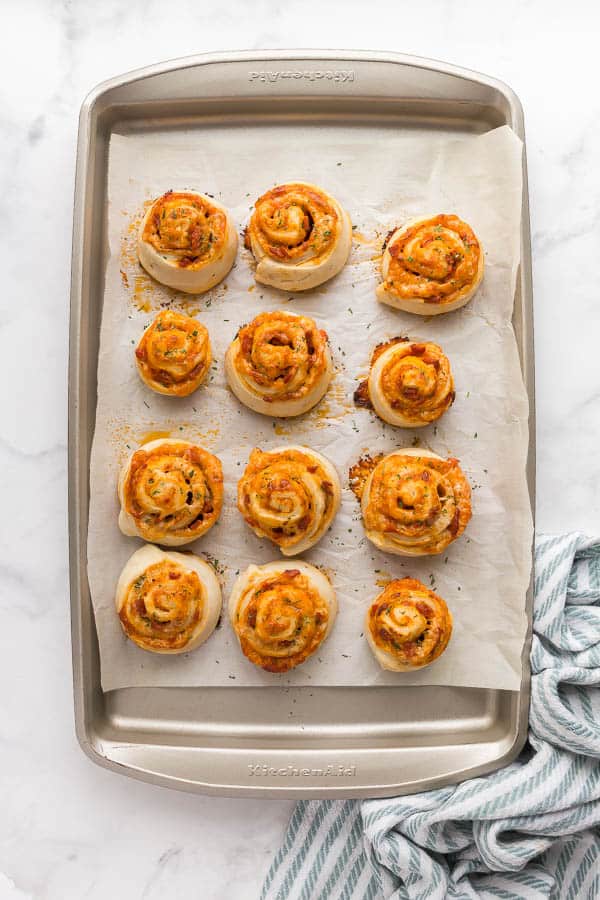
(381, 176)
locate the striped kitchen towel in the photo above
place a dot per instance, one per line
(530, 830)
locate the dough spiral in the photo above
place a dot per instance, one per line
(410, 383)
(289, 495)
(167, 602)
(300, 236)
(414, 503)
(407, 626)
(280, 364)
(431, 266)
(171, 492)
(281, 615)
(187, 241)
(174, 355)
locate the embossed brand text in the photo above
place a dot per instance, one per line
(264, 770)
(341, 75)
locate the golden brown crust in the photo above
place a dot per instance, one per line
(294, 222)
(163, 607)
(172, 491)
(188, 227)
(416, 504)
(299, 235)
(289, 495)
(281, 356)
(361, 394)
(410, 383)
(436, 261)
(385, 345)
(281, 620)
(409, 626)
(360, 471)
(174, 354)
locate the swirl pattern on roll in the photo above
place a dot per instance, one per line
(300, 236)
(410, 383)
(279, 364)
(289, 495)
(167, 602)
(431, 266)
(171, 492)
(415, 503)
(281, 615)
(187, 241)
(407, 626)
(173, 356)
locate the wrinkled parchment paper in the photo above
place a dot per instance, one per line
(382, 176)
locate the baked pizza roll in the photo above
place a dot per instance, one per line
(290, 496)
(280, 364)
(167, 602)
(300, 236)
(173, 356)
(281, 615)
(431, 266)
(171, 492)
(187, 241)
(407, 626)
(414, 502)
(410, 383)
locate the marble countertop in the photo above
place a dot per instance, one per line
(69, 829)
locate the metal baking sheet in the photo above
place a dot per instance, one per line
(293, 742)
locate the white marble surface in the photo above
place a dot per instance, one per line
(69, 829)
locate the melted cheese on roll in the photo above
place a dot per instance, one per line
(167, 602)
(187, 241)
(299, 235)
(414, 503)
(410, 383)
(171, 492)
(280, 364)
(280, 614)
(407, 626)
(431, 266)
(173, 356)
(289, 495)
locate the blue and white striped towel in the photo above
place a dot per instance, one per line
(530, 830)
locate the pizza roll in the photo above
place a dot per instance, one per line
(173, 356)
(414, 503)
(300, 236)
(431, 266)
(171, 492)
(187, 241)
(410, 383)
(281, 615)
(407, 626)
(280, 364)
(167, 602)
(290, 496)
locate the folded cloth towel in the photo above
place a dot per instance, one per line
(529, 830)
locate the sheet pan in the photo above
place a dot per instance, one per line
(326, 741)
